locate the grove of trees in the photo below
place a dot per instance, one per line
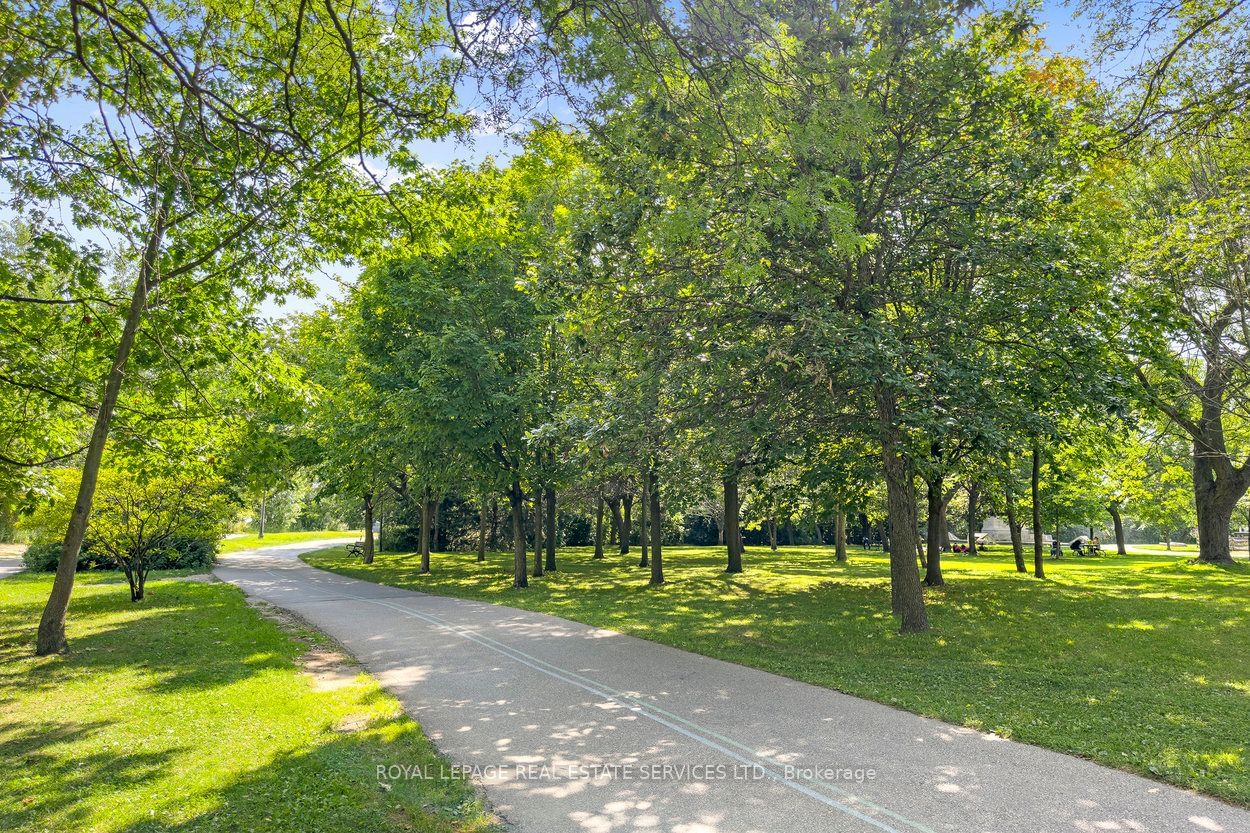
(833, 270)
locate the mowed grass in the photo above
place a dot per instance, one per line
(1139, 662)
(274, 539)
(189, 712)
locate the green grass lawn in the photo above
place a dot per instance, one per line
(190, 712)
(273, 539)
(1177, 549)
(1140, 662)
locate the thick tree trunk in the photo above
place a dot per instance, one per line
(1214, 519)
(551, 529)
(772, 533)
(1013, 527)
(643, 506)
(599, 527)
(839, 535)
(627, 522)
(1216, 494)
(427, 513)
(538, 531)
(1035, 488)
(517, 498)
(733, 540)
(974, 495)
(481, 530)
(51, 638)
(935, 489)
(906, 595)
(1168, 538)
(657, 529)
(1118, 524)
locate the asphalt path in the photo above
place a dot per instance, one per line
(573, 728)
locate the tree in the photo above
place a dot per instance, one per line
(136, 516)
(1186, 302)
(147, 166)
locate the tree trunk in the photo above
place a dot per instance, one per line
(260, 520)
(551, 529)
(367, 555)
(772, 533)
(1035, 487)
(627, 521)
(494, 525)
(481, 530)
(790, 532)
(906, 595)
(427, 512)
(935, 490)
(1118, 523)
(51, 638)
(517, 497)
(614, 503)
(643, 506)
(733, 540)
(1013, 527)
(1215, 496)
(599, 527)
(657, 529)
(538, 531)
(839, 535)
(1168, 538)
(436, 543)
(974, 494)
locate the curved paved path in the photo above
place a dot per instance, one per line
(11, 559)
(570, 728)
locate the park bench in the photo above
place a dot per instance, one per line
(357, 548)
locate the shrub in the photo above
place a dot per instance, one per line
(185, 553)
(41, 557)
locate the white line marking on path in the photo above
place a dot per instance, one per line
(671, 721)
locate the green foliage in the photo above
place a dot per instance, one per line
(42, 557)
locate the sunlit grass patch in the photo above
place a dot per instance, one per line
(273, 539)
(190, 712)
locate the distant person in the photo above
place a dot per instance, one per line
(1055, 551)
(1095, 545)
(1077, 546)
(867, 540)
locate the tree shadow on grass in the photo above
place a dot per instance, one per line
(49, 784)
(148, 636)
(335, 787)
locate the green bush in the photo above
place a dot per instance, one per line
(42, 558)
(185, 553)
(180, 553)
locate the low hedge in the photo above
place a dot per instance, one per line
(181, 553)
